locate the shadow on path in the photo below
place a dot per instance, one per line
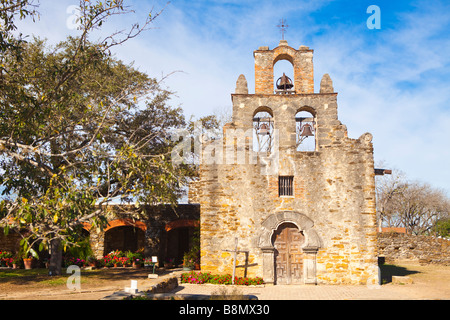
(388, 270)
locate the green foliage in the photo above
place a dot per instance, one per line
(201, 278)
(82, 249)
(10, 10)
(135, 256)
(192, 257)
(443, 228)
(80, 130)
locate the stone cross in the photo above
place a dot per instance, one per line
(236, 251)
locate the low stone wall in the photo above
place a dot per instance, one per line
(164, 286)
(424, 249)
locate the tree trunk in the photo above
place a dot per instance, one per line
(55, 266)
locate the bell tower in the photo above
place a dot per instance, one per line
(301, 60)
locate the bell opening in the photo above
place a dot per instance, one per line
(284, 83)
(306, 131)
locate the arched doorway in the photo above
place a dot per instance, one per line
(180, 237)
(178, 243)
(309, 246)
(288, 241)
(124, 238)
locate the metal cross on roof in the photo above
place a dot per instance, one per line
(283, 26)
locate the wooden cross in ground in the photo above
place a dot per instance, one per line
(236, 251)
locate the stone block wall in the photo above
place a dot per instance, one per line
(424, 249)
(301, 59)
(333, 203)
(334, 187)
(11, 242)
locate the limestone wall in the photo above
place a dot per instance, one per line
(302, 61)
(425, 249)
(334, 188)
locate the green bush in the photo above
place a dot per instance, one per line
(201, 278)
(443, 228)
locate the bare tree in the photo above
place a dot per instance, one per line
(413, 205)
(388, 189)
(420, 206)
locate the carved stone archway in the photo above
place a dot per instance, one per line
(312, 244)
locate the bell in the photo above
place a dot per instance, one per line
(264, 130)
(284, 83)
(307, 131)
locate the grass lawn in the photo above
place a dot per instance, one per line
(40, 277)
(21, 280)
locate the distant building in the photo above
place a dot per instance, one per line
(392, 229)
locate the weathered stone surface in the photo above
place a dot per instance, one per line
(326, 85)
(402, 280)
(333, 201)
(241, 85)
(164, 286)
(425, 249)
(302, 61)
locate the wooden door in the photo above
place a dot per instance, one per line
(288, 242)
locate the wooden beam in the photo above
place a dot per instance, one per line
(382, 172)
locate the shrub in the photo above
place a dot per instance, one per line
(6, 258)
(71, 261)
(201, 278)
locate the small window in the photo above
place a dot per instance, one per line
(286, 186)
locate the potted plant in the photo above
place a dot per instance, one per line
(16, 261)
(109, 263)
(137, 263)
(168, 264)
(115, 261)
(124, 262)
(92, 261)
(5, 258)
(131, 259)
(137, 260)
(28, 262)
(197, 265)
(188, 262)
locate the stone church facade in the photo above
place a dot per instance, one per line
(287, 183)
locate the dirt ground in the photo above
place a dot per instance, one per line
(430, 282)
(95, 284)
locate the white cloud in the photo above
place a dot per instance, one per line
(397, 89)
(392, 83)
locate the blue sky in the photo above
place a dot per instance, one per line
(392, 82)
